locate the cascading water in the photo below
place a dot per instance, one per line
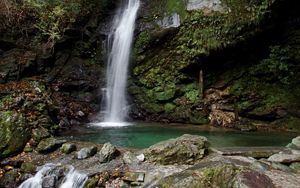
(51, 175)
(120, 42)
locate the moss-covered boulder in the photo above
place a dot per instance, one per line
(49, 144)
(217, 175)
(14, 133)
(183, 150)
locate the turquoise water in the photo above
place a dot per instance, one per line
(142, 135)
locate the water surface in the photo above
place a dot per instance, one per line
(142, 135)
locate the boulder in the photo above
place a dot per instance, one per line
(68, 148)
(284, 158)
(14, 133)
(183, 150)
(49, 144)
(216, 174)
(86, 152)
(296, 142)
(130, 158)
(28, 167)
(107, 152)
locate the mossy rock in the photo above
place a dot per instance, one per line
(28, 167)
(185, 149)
(49, 144)
(39, 134)
(14, 133)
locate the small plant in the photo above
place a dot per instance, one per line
(277, 66)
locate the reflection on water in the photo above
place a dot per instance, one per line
(142, 135)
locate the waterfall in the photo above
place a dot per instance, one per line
(51, 175)
(120, 42)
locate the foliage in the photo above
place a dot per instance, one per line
(277, 66)
(46, 20)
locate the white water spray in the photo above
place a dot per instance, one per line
(72, 179)
(120, 42)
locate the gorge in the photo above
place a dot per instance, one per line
(228, 66)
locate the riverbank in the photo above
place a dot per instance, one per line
(158, 166)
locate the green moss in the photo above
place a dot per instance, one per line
(169, 107)
(14, 133)
(177, 6)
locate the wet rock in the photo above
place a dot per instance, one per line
(14, 133)
(182, 150)
(284, 158)
(28, 167)
(130, 158)
(49, 181)
(107, 152)
(49, 144)
(68, 148)
(86, 152)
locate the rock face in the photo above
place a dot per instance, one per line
(214, 5)
(171, 62)
(182, 150)
(14, 133)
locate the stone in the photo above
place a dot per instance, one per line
(107, 153)
(284, 158)
(28, 167)
(295, 166)
(49, 144)
(170, 21)
(141, 157)
(134, 176)
(86, 152)
(216, 174)
(130, 158)
(49, 181)
(28, 148)
(68, 148)
(14, 133)
(183, 150)
(296, 142)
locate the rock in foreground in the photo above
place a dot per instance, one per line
(185, 149)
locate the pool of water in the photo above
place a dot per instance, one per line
(142, 135)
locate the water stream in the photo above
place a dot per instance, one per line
(51, 175)
(120, 42)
